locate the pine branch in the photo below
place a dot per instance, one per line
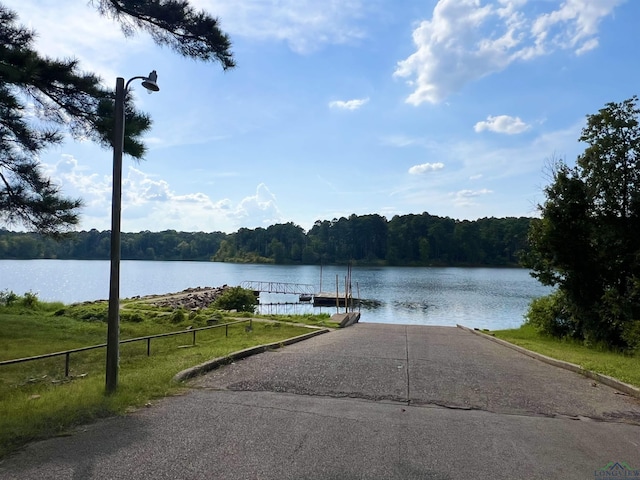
(193, 34)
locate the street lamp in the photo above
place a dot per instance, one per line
(113, 320)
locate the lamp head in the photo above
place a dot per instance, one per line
(150, 82)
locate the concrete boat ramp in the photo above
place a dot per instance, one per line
(367, 402)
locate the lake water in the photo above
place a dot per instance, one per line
(475, 297)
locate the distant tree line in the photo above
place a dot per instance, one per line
(95, 245)
(366, 240)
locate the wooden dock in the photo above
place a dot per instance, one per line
(330, 299)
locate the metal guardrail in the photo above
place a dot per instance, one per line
(67, 353)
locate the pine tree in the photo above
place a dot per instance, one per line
(42, 98)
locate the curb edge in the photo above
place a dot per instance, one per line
(240, 354)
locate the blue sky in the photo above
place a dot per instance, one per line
(452, 107)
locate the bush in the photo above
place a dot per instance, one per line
(178, 316)
(631, 335)
(133, 317)
(215, 318)
(89, 311)
(29, 300)
(8, 298)
(237, 298)
(550, 316)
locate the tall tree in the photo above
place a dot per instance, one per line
(41, 98)
(586, 242)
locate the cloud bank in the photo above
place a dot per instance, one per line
(466, 40)
(149, 203)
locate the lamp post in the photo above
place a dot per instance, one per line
(113, 320)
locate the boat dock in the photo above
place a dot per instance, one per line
(279, 287)
(332, 299)
(305, 293)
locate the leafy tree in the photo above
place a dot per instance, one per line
(586, 242)
(276, 247)
(61, 97)
(237, 298)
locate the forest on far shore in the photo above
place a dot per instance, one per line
(411, 240)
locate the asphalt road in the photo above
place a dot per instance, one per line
(368, 402)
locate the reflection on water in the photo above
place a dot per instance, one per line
(476, 297)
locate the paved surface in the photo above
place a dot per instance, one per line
(371, 401)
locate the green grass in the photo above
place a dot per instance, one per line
(624, 367)
(321, 320)
(37, 401)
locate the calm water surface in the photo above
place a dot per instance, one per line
(476, 297)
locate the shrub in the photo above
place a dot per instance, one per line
(237, 298)
(29, 300)
(8, 298)
(631, 335)
(178, 316)
(215, 318)
(550, 316)
(133, 317)
(89, 311)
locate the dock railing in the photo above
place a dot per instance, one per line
(279, 287)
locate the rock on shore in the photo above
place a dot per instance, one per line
(189, 299)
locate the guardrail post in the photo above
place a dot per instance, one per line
(66, 364)
(194, 338)
(226, 330)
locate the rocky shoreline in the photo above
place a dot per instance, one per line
(189, 299)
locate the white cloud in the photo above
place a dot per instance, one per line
(472, 193)
(259, 210)
(426, 168)
(305, 25)
(138, 189)
(402, 141)
(399, 141)
(94, 191)
(149, 203)
(574, 25)
(465, 198)
(354, 104)
(466, 40)
(502, 124)
(588, 45)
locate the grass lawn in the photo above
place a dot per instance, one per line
(623, 367)
(321, 320)
(37, 401)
